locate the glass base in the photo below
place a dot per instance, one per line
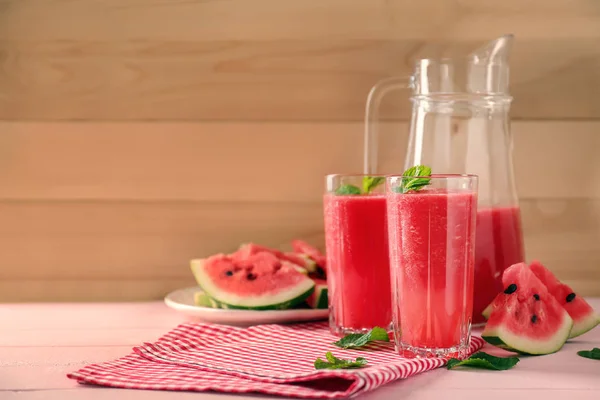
(408, 351)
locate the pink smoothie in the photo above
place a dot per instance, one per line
(498, 245)
(431, 235)
(357, 262)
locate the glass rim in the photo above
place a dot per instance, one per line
(387, 176)
(355, 175)
(435, 176)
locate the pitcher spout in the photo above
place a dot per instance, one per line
(489, 67)
(495, 52)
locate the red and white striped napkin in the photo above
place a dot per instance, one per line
(272, 359)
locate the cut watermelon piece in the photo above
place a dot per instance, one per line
(301, 246)
(582, 313)
(258, 282)
(300, 259)
(248, 249)
(318, 298)
(526, 318)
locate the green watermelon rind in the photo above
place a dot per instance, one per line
(585, 325)
(201, 299)
(323, 301)
(504, 338)
(321, 294)
(281, 301)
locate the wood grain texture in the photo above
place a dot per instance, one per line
(252, 162)
(258, 60)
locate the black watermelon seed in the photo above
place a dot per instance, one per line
(534, 318)
(251, 276)
(229, 273)
(511, 288)
(570, 297)
(536, 296)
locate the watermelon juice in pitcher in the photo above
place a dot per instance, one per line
(460, 124)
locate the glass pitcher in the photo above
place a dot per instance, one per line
(460, 124)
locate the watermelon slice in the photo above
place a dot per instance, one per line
(318, 298)
(526, 318)
(259, 281)
(248, 249)
(583, 315)
(302, 247)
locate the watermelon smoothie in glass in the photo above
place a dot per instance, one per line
(432, 242)
(358, 273)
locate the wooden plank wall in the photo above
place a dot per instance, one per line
(135, 134)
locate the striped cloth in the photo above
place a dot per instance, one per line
(272, 359)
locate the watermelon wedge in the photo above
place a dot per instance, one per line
(582, 313)
(318, 298)
(248, 249)
(302, 247)
(526, 318)
(258, 281)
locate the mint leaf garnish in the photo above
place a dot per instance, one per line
(371, 182)
(355, 340)
(337, 363)
(593, 354)
(410, 180)
(484, 361)
(347, 189)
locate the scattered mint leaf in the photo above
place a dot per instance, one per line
(371, 182)
(593, 354)
(347, 189)
(484, 361)
(355, 340)
(338, 363)
(412, 179)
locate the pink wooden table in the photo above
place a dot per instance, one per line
(40, 343)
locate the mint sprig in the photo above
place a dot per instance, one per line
(338, 363)
(414, 179)
(368, 184)
(347, 190)
(355, 340)
(593, 354)
(371, 182)
(483, 360)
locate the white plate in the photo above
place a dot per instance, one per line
(182, 300)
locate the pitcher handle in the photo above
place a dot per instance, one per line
(377, 93)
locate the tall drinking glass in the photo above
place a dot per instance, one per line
(432, 238)
(357, 253)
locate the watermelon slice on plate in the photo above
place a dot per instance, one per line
(302, 247)
(526, 317)
(318, 299)
(258, 281)
(582, 313)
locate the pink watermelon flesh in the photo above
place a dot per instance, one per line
(318, 298)
(300, 259)
(582, 313)
(526, 318)
(249, 249)
(258, 281)
(301, 246)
